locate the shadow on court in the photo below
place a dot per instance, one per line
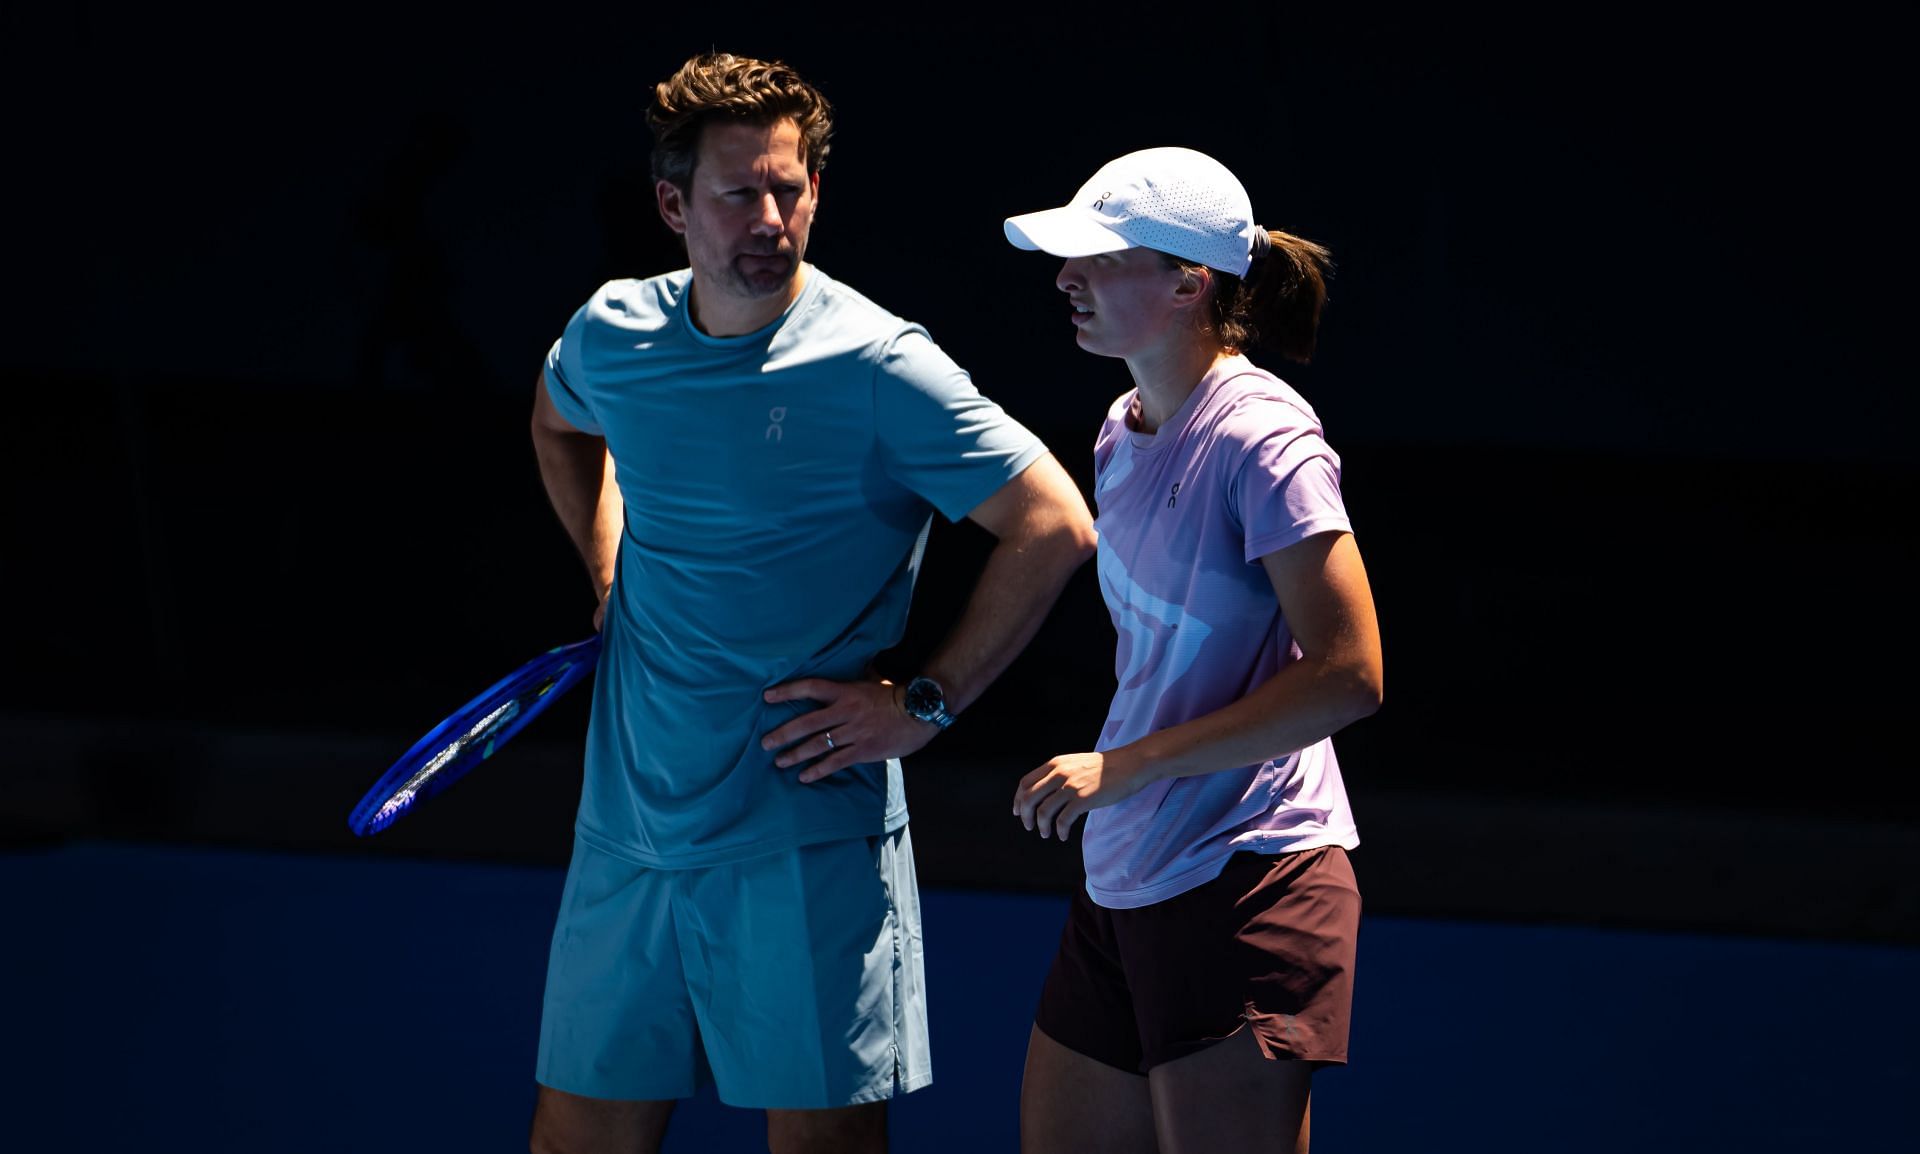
(171, 998)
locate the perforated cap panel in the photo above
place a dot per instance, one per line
(1175, 200)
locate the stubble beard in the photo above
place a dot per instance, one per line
(763, 282)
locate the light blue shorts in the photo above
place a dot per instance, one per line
(791, 981)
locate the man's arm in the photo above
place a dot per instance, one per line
(578, 475)
(1045, 533)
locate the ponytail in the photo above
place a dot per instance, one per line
(1279, 303)
(1279, 300)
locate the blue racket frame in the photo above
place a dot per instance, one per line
(472, 734)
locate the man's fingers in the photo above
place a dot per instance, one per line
(839, 760)
(815, 688)
(800, 728)
(804, 742)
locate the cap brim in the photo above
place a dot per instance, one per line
(1068, 231)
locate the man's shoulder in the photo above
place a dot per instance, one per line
(637, 301)
(842, 307)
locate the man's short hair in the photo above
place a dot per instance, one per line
(718, 86)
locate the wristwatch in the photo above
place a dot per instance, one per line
(926, 701)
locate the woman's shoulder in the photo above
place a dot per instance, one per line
(1253, 404)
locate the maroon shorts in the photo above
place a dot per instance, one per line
(1268, 944)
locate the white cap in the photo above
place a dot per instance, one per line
(1174, 200)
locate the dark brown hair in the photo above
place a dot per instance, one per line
(1277, 304)
(736, 89)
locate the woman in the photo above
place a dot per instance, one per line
(1206, 970)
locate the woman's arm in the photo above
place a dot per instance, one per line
(1328, 604)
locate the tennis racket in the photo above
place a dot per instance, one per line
(472, 734)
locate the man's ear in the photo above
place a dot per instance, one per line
(672, 204)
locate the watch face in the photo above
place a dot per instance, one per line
(924, 698)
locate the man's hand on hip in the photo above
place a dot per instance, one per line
(856, 722)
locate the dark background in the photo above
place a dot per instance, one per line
(1610, 359)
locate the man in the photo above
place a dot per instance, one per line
(748, 454)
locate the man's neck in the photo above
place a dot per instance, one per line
(719, 315)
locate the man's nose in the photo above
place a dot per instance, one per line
(769, 222)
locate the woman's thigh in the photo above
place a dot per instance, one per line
(1072, 1103)
(1234, 1095)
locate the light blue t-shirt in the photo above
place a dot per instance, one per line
(779, 487)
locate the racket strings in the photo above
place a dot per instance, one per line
(481, 730)
(521, 697)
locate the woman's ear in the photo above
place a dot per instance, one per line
(1192, 289)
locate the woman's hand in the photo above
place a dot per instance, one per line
(1051, 797)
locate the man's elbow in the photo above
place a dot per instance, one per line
(1085, 542)
(1072, 524)
(1070, 538)
(1053, 529)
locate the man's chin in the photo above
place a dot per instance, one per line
(763, 276)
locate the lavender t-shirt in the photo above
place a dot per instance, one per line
(1185, 514)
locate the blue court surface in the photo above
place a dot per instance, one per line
(168, 998)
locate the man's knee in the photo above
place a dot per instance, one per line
(858, 1129)
(566, 1123)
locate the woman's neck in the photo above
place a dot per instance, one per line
(1167, 378)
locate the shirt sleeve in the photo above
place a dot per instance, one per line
(939, 435)
(566, 375)
(1287, 487)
